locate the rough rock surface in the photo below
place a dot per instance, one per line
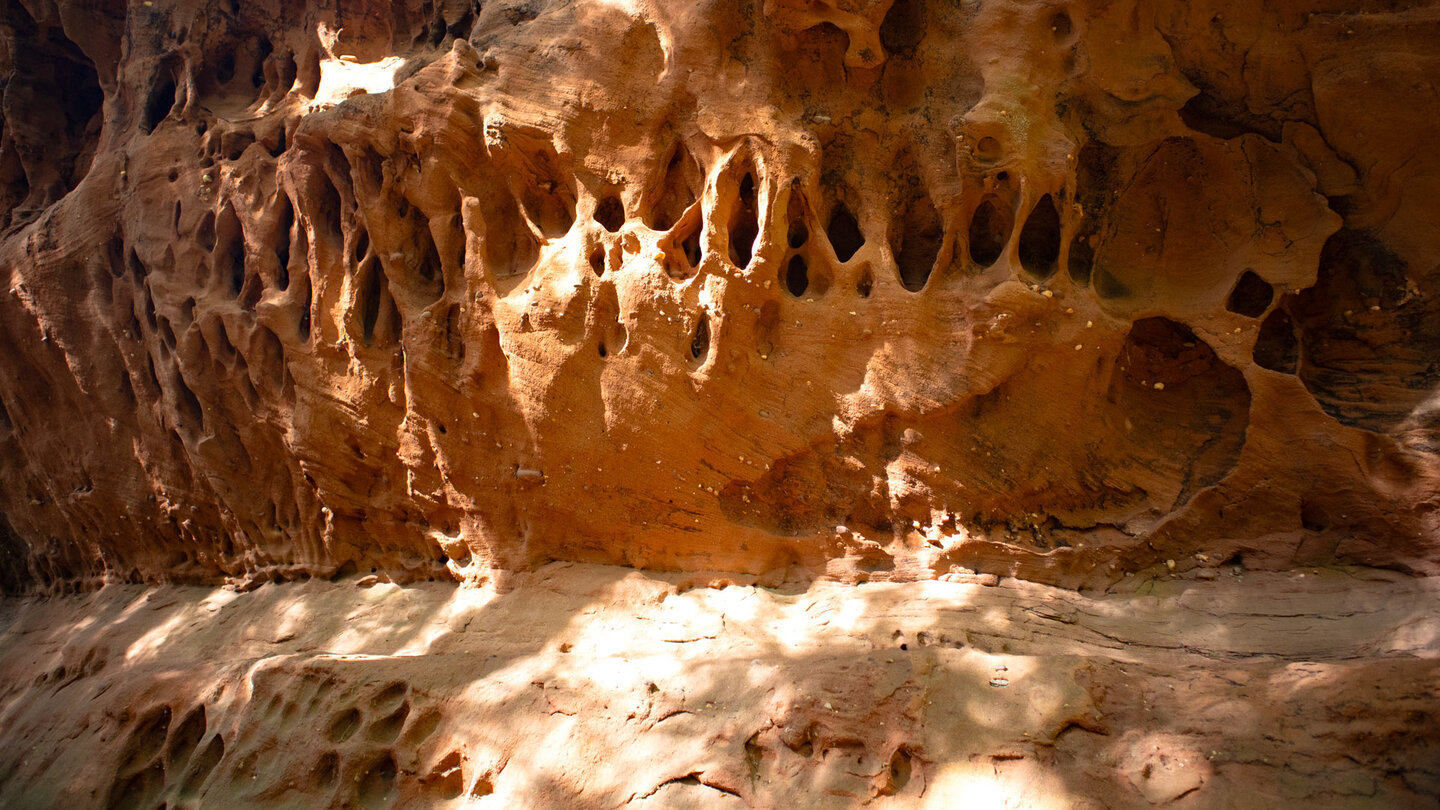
(601, 687)
(870, 290)
(840, 312)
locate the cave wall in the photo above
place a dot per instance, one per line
(866, 290)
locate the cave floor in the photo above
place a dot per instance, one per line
(589, 686)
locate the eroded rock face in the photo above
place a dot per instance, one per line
(871, 290)
(603, 687)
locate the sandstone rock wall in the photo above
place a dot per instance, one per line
(862, 289)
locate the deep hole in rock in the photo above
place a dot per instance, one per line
(1220, 114)
(865, 284)
(205, 232)
(302, 302)
(690, 245)
(797, 276)
(1314, 517)
(454, 334)
(283, 235)
(257, 74)
(1081, 258)
(1039, 246)
(797, 233)
(916, 242)
(431, 273)
(903, 27)
(225, 67)
(844, 233)
(371, 278)
(326, 221)
(361, 246)
(1060, 25)
(234, 143)
(1276, 347)
(160, 101)
(989, 233)
(1252, 295)
(597, 260)
(744, 224)
(610, 213)
(700, 342)
(230, 249)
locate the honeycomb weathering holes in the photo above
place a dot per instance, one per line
(989, 232)
(284, 234)
(797, 276)
(1039, 246)
(843, 232)
(1251, 296)
(1080, 259)
(865, 284)
(744, 224)
(610, 213)
(700, 340)
(916, 240)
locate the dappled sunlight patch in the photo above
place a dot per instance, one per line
(604, 685)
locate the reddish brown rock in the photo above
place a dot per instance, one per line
(1099, 295)
(452, 289)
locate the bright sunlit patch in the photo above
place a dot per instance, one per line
(342, 78)
(980, 786)
(150, 644)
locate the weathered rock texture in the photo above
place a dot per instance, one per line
(870, 290)
(600, 687)
(819, 299)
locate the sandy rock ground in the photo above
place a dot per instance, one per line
(592, 686)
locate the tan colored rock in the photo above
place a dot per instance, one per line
(590, 686)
